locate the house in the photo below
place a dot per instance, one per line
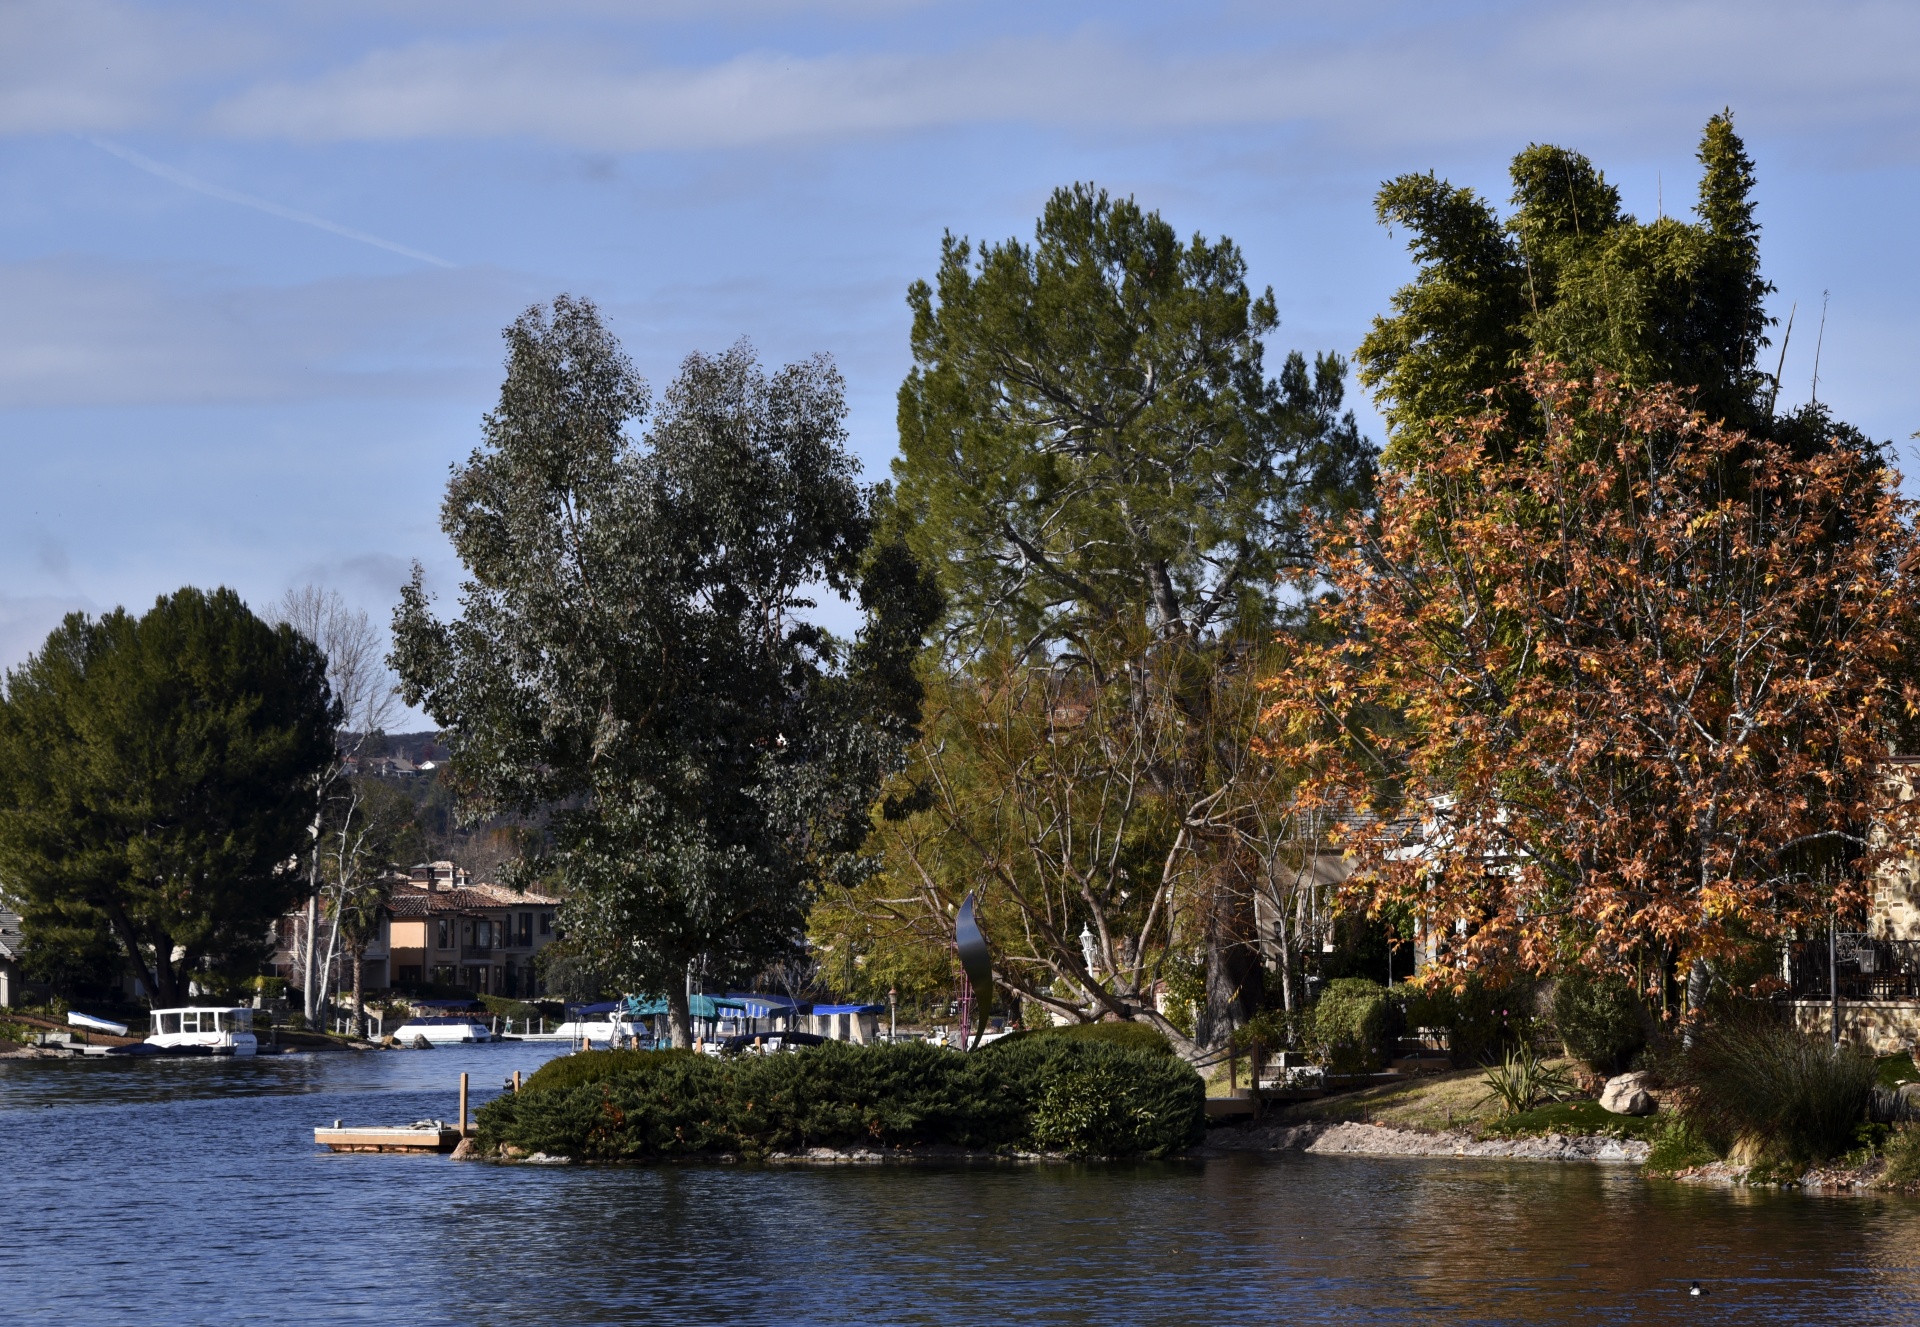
(12, 946)
(1863, 978)
(439, 927)
(446, 929)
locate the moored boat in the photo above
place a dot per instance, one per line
(203, 1030)
(442, 1029)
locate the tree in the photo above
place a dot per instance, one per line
(157, 771)
(1622, 701)
(357, 673)
(1571, 277)
(1107, 481)
(633, 654)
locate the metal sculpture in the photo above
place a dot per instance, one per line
(975, 961)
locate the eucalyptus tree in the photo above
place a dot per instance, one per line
(1108, 482)
(633, 657)
(156, 772)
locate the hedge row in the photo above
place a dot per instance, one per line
(1035, 1093)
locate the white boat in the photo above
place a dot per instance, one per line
(631, 1032)
(442, 1030)
(197, 1029)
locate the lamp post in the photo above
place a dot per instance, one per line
(893, 1025)
(1088, 947)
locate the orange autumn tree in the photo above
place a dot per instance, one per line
(1613, 688)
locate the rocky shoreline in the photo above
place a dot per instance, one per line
(1348, 1138)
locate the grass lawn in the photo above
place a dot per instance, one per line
(1897, 1069)
(1431, 1103)
(1575, 1117)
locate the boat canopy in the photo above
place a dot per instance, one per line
(849, 1009)
(698, 1006)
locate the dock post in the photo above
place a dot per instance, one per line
(516, 1082)
(463, 1105)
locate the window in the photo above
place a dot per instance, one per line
(546, 923)
(526, 929)
(446, 933)
(497, 934)
(409, 975)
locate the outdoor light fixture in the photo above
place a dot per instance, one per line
(1087, 945)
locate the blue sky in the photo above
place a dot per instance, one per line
(254, 258)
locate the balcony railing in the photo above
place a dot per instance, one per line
(1863, 968)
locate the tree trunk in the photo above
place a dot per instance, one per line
(1233, 970)
(309, 991)
(679, 1019)
(359, 1006)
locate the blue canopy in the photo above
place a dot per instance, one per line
(699, 1006)
(849, 1009)
(759, 1005)
(604, 1007)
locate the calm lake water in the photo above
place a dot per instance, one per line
(190, 1191)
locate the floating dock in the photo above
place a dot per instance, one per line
(426, 1136)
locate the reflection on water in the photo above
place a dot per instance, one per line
(190, 1191)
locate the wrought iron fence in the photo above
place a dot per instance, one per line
(1862, 966)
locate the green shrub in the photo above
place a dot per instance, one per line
(1678, 1144)
(1599, 1020)
(1755, 1078)
(1140, 1036)
(1482, 1022)
(1087, 1097)
(1903, 1157)
(1350, 1023)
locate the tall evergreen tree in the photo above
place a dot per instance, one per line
(155, 772)
(1098, 464)
(1570, 276)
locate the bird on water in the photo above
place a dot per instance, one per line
(1695, 1289)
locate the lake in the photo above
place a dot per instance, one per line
(182, 1191)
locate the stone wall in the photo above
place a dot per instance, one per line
(1887, 1026)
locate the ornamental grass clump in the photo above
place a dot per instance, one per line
(1755, 1082)
(1054, 1094)
(1522, 1080)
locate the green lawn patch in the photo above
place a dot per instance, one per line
(1574, 1117)
(1893, 1070)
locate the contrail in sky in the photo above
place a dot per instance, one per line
(186, 181)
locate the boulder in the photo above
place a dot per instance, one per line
(421, 1043)
(1628, 1095)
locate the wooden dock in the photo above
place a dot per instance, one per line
(433, 1137)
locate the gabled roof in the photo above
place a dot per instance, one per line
(411, 900)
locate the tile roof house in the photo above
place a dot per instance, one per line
(441, 927)
(446, 929)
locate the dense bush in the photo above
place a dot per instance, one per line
(1140, 1036)
(1055, 1093)
(1754, 1079)
(1482, 1022)
(1599, 1020)
(1350, 1023)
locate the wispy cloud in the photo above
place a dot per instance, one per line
(1425, 76)
(185, 181)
